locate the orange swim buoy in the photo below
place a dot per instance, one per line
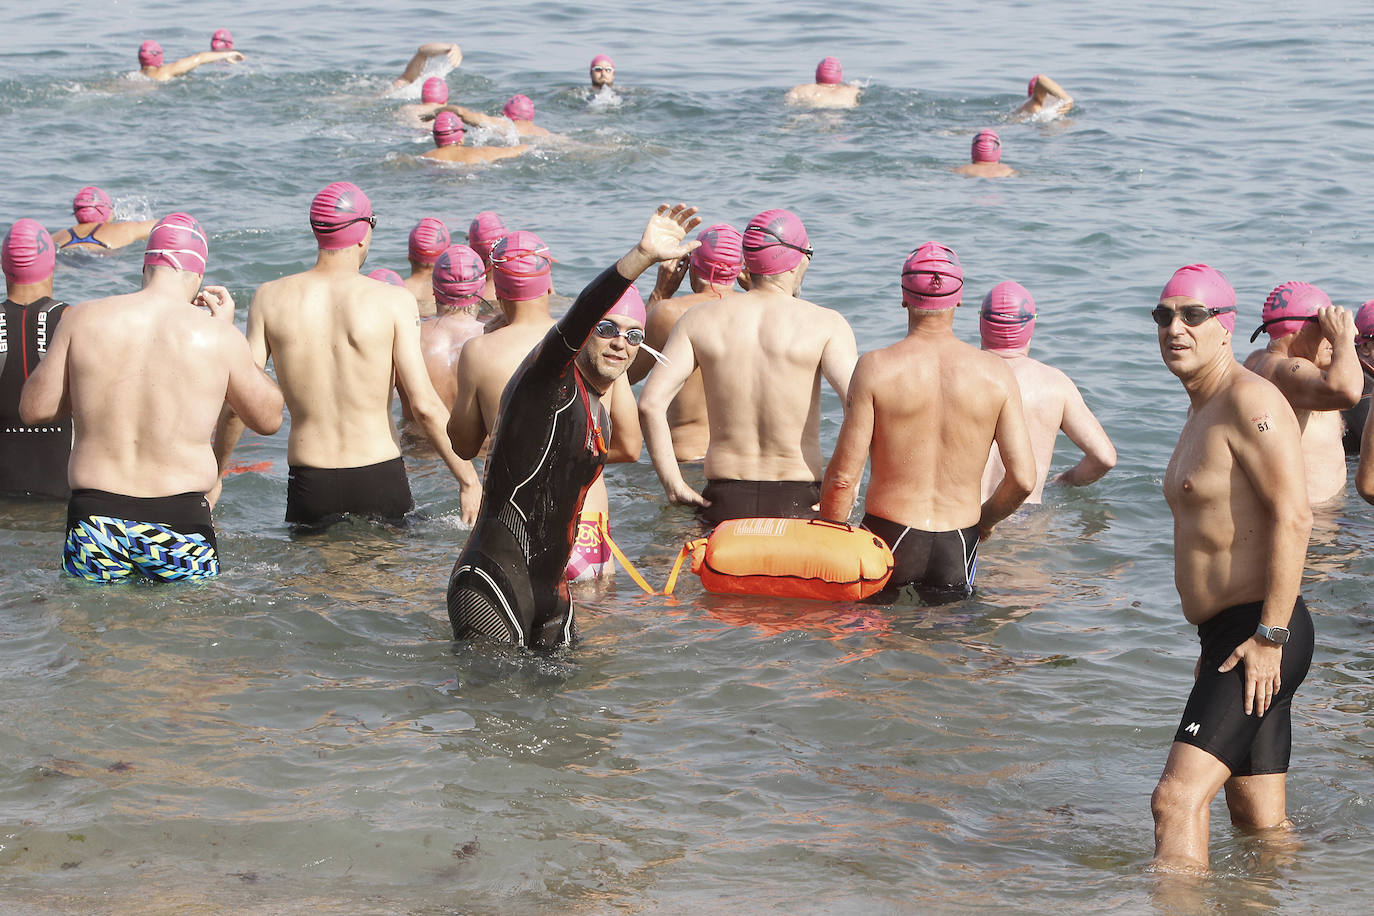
(788, 558)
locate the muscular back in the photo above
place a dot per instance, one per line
(1045, 391)
(488, 362)
(441, 340)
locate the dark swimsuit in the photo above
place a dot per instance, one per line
(33, 459)
(320, 496)
(508, 583)
(1356, 417)
(758, 499)
(938, 566)
(89, 238)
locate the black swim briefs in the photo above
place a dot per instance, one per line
(758, 499)
(936, 566)
(316, 496)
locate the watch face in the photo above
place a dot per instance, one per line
(1275, 634)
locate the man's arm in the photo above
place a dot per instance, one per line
(1013, 443)
(466, 429)
(416, 65)
(840, 355)
(670, 274)
(626, 439)
(469, 117)
(663, 385)
(251, 394)
(46, 397)
(1364, 474)
(843, 474)
(187, 64)
(1082, 428)
(230, 427)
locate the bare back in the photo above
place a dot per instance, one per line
(490, 360)
(106, 235)
(823, 95)
(441, 340)
(1045, 392)
(420, 284)
(687, 415)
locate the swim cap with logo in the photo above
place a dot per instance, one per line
(829, 71)
(987, 146)
(1364, 319)
(1288, 304)
(389, 276)
(221, 40)
(428, 240)
(486, 229)
(459, 276)
(521, 267)
(519, 108)
(91, 205)
(339, 216)
(1007, 318)
(150, 54)
(177, 241)
(720, 256)
(435, 89)
(28, 255)
(1208, 286)
(630, 305)
(774, 242)
(932, 278)
(448, 129)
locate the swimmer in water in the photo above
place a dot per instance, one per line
(1044, 96)
(509, 583)
(828, 91)
(222, 40)
(451, 55)
(433, 94)
(1311, 358)
(1241, 523)
(448, 144)
(986, 157)
(33, 459)
(602, 72)
(929, 408)
(94, 230)
(485, 230)
(427, 241)
(457, 278)
(143, 377)
(518, 113)
(150, 61)
(1050, 401)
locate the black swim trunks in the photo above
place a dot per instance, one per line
(112, 537)
(758, 499)
(1215, 720)
(33, 459)
(935, 566)
(321, 496)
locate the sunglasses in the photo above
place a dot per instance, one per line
(781, 241)
(609, 330)
(323, 229)
(1264, 324)
(1192, 315)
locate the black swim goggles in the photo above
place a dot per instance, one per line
(1192, 315)
(780, 241)
(1264, 324)
(609, 330)
(326, 229)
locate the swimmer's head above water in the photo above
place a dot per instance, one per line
(720, 257)
(222, 40)
(602, 71)
(428, 240)
(1364, 323)
(987, 146)
(448, 129)
(150, 54)
(341, 216)
(519, 108)
(28, 255)
(387, 276)
(1208, 286)
(521, 267)
(1289, 307)
(459, 276)
(484, 231)
(177, 241)
(91, 205)
(932, 278)
(829, 72)
(774, 243)
(1007, 318)
(435, 90)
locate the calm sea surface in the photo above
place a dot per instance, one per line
(301, 737)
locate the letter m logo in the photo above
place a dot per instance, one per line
(1193, 729)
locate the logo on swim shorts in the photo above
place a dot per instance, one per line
(1193, 728)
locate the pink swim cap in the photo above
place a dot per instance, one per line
(1007, 319)
(829, 71)
(435, 89)
(601, 60)
(485, 231)
(389, 276)
(150, 54)
(459, 276)
(1364, 319)
(428, 240)
(775, 242)
(519, 108)
(1208, 286)
(91, 205)
(340, 216)
(987, 146)
(522, 268)
(221, 40)
(448, 129)
(1293, 300)
(630, 305)
(28, 255)
(932, 279)
(177, 241)
(720, 257)
(1030, 87)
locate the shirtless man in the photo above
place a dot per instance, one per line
(509, 582)
(602, 72)
(427, 241)
(1050, 401)
(986, 158)
(929, 407)
(713, 268)
(762, 354)
(1045, 96)
(485, 230)
(337, 340)
(94, 230)
(828, 91)
(1364, 347)
(151, 65)
(517, 113)
(1311, 358)
(143, 377)
(448, 144)
(433, 94)
(1241, 522)
(459, 276)
(33, 460)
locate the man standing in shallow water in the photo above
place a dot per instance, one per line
(1241, 523)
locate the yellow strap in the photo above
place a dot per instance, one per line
(687, 548)
(615, 549)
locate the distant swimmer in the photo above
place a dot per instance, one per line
(1050, 401)
(143, 377)
(987, 157)
(485, 230)
(1311, 358)
(1046, 99)
(433, 94)
(151, 65)
(929, 408)
(222, 40)
(713, 267)
(517, 114)
(762, 354)
(94, 230)
(602, 71)
(448, 144)
(427, 241)
(33, 459)
(828, 91)
(338, 339)
(458, 278)
(388, 276)
(448, 55)
(509, 583)
(1241, 523)
(1356, 417)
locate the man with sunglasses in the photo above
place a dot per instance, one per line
(337, 340)
(1241, 523)
(1311, 358)
(602, 72)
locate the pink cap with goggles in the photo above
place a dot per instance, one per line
(485, 230)
(1208, 286)
(28, 255)
(720, 257)
(459, 276)
(519, 108)
(448, 129)
(775, 242)
(987, 146)
(150, 54)
(428, 240)
(601, 60)
(221, 40)
(932, 278)
(1288, 307)
(522, 268)
(91, 205)
(340, 216)
(1007, 318)
(1364, 320)
(434, 90)
(178, 242)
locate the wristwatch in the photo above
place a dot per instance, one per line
(1276, 635)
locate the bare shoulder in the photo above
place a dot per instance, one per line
(823, 317)
(1256, 404)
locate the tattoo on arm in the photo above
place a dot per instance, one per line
(1264, 422)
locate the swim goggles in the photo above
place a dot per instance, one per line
(603, 69)
(325, 229)
(1265, 324)
(780, 240)
(609, 330)
(1192, 315)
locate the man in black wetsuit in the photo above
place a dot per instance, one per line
(33, 459)
(508, 583)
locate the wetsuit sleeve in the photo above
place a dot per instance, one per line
(564, 339)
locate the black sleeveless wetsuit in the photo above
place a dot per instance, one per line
(33, 459)
(508, 582)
